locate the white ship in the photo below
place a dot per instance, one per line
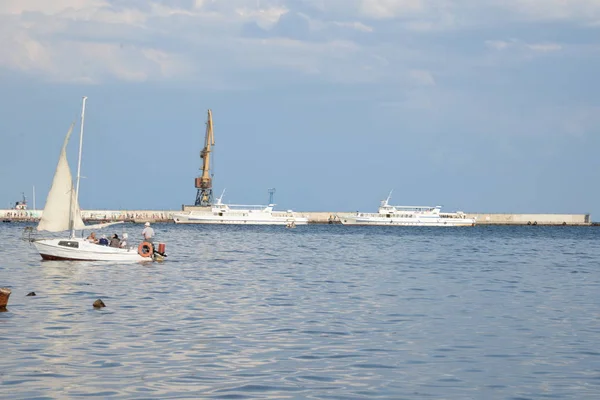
(240, 214)
(389, 215)
(205, 211)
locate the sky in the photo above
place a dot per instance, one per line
(480, 106)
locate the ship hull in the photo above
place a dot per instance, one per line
(82, 250)
(209, 218)
(382, 221)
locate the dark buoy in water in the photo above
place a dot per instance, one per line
(31, 294)
(99, 304)
(4, 295)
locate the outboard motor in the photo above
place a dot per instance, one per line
(161, 250)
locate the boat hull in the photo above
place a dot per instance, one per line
(382, 221)
(52, 249)
(210, 218)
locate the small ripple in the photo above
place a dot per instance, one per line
(374, 366)
(97, 394)
(307, 357)
(260, 389)
(19, 381)
(317, 378)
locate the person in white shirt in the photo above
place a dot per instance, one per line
(123, 243)
(148, 232)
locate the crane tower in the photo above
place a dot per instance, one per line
(204, 196)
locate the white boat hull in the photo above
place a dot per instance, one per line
(56, 249)
(424, 221)
(231, 219)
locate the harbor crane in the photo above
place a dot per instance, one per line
(204, 195)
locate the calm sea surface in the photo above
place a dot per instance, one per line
(316, 312)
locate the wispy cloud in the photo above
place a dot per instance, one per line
(502, 45)
(422, 77)
(545, 47)
(575, 10)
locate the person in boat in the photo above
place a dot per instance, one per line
(123, 243)
(114, 241)
(148, 232)
(103, 241)
(92, 238)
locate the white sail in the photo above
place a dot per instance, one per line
(61, 198)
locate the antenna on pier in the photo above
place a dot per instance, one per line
(271, 193)
(204, 196)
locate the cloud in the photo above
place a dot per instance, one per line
(574, 10)
(90, 41)
(54, 7)
(70, 60)
(501, 45)
(582, 121)
(497, 44)
(336, 40)
(422, 77)
(544, 47)
(391, 8)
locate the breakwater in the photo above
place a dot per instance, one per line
(135, 216)
(482, 218)
(314, 217)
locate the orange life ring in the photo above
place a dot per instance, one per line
(145, 249)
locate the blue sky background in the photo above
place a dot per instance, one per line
(480, 106)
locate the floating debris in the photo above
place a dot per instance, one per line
(4, 295)
(99, 304)
(31, 294)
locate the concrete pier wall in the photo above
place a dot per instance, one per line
(531, 219)
(322, 217)
(97, 215)
(314, 217)
(482, 218)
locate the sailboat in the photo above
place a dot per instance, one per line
(62, 213)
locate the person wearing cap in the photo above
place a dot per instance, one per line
(123, 243)
(114, 241)
(148, 232)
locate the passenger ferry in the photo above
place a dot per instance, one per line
(239, 214)
(389, 215)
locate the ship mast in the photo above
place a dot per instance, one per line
(204, 196)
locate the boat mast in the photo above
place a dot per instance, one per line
(204, 195)
(72, 219)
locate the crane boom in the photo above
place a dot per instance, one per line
(204, 195)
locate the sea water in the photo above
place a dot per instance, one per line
(316, 312)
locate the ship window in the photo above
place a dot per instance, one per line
(389, 216)
(220, 214)
(69, 243)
